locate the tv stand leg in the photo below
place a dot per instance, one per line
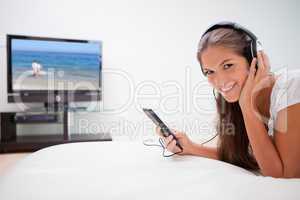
(66, 121)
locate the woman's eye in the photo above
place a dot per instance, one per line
(226, 66)
(208, 72)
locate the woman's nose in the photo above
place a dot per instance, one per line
(221, 80)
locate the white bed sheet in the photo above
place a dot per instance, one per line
(130, 170)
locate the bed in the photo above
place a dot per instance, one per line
(130, 170)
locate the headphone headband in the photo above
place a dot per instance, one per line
(254, 46)
(231, 25)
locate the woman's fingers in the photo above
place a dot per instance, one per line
(266, 62)
(263, 71)
(158, 131)
(172, 146)
(168, 140)
(252, 69)
(263, 64)
(260, 60)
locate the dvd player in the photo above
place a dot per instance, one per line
(36, 118)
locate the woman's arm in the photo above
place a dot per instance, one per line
(287, 140)
(263, 148)
(200, 150)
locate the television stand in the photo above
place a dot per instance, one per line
(12, 142)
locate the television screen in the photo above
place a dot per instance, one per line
(43, 64)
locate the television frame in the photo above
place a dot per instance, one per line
(49, 96)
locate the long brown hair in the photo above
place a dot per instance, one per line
(233, 144)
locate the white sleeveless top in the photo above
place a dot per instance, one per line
(285, 92)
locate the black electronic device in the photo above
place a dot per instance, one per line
(158, 122)
(36, 118)
(53, 70)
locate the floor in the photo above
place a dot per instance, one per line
(9, 159)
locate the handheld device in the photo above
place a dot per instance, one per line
(158, 122)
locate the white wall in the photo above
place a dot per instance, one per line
(151, 43)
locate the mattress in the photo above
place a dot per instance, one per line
(130, 170)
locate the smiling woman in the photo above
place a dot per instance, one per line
(249, 105)
(227, 46)
(228, 71)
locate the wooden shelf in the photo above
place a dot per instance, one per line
(34, 143)
(12, 142)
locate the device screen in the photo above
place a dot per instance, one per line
(151, 114)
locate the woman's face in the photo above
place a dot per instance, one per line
(226, 71)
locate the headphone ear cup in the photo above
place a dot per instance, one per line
(259, 46)
(253, 49)
(248, 53)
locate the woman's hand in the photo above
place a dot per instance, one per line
(170, 142)
(256, 81)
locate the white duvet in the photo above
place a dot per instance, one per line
(130, 170)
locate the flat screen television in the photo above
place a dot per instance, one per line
(43, 69)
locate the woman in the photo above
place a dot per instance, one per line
(36, 68)
(258, 119)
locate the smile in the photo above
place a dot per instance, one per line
(227, 89)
